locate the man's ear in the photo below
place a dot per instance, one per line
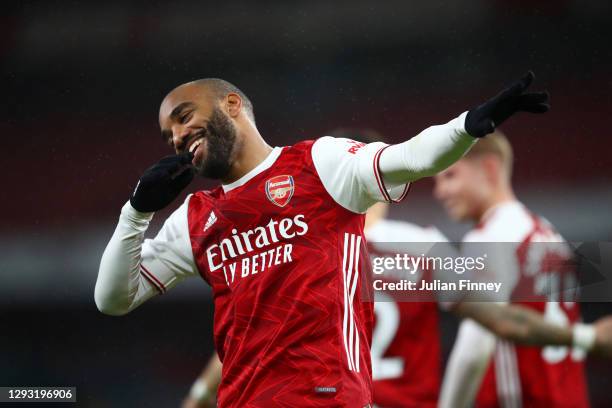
(493, 167)
(233, 104)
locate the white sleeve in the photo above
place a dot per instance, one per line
(426, 154)
(501, 265)
(349, 172)
(358, 175)
(133, 271)
(466, 366)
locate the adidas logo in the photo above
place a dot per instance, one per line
(212, 218)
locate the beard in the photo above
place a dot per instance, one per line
(220, 145)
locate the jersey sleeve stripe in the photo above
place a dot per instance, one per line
(501, 379)
(381, 183)
(508, 388)
(151, 278)
(404, 193)
(513, 371)
(379, 180)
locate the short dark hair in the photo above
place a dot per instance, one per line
(221, 88)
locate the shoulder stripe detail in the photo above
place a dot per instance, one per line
(350, 269)
(151, 278)
(379, 180)
(381, 183)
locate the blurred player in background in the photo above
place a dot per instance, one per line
(478, 189)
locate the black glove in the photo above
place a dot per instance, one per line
(161, 183)
(482, 120)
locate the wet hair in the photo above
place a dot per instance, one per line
(221, 88)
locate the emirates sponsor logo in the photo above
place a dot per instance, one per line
(268, 245)
(279, 189)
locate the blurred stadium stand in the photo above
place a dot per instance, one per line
(82, 82)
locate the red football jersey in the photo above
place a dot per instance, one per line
(406, 356)
(286, 262)
(284, 252)
(532, 376)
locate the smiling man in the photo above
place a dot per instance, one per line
(280, 240)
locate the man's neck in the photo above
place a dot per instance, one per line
(253, 151)
(501, 197)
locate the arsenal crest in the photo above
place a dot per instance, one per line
(279, 189)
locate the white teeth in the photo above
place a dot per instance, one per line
(195, 144)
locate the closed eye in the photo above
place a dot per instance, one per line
(185, 117)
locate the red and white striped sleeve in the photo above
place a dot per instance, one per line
(350, 172)
(133, 270)
(358, 175)
(168, 258)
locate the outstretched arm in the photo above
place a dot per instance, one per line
(358, 175)
(426, 154)
(526, 326)
(475, 343)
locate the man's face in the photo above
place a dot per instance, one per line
(192, 120)
(463, 189)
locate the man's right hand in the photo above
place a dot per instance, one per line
(483, 119)
(161, 183)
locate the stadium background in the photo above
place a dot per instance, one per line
(82, 82)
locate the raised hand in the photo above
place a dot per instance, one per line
(485, 118)
(161, 183)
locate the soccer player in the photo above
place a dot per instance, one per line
(280, 241)
(478, 188)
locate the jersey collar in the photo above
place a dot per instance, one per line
(488, 214)
(264, 165)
